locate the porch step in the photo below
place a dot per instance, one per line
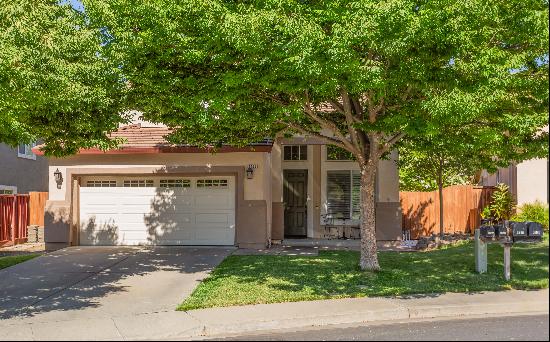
(345, 244)
(321, 243)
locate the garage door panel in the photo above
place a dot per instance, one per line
(153, 215)
(99, 210)
(134, 235)
(216, 218)
(144, 201)
(179, 234)
(213, 200)
(170, 217)
(135, 209)
(208, 234)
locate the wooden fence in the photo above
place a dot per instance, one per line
(462, 206)
(37, 203)
(14, 219)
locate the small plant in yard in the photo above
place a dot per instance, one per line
(536, 212)
(486, 215)
(502, 203)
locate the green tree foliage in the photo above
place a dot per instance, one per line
(427, 165)
(55, 85)
(360, 75)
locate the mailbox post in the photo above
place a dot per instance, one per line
(507, 273)
(506, 234)
(480, 251)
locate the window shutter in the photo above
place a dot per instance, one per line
(339, 194)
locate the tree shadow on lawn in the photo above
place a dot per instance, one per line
(243, 280)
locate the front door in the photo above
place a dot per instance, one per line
(295, 199)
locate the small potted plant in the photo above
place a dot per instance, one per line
(486, 216)
(502, 207)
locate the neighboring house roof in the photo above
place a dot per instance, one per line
(152, 139)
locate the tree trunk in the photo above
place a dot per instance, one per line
(440, 188)
(369, 256)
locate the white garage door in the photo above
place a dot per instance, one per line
(157, 211)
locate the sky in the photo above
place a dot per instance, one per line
(77, 4)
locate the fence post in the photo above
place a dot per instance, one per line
(13, 217)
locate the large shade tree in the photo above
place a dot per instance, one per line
(360, 75)
(55, 85)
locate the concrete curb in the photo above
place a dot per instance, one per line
(216, 322)
(258, 318)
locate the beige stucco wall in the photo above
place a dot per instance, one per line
(388, 179)
(277, 174)
(254, 189)
(532, 181)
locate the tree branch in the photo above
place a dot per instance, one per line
(358, 109)
(390, 142)
(336, 106)
(350, 120)
(330, 126)
(308, 132)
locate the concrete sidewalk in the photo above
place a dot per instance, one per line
(257, 318)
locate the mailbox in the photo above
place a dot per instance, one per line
(534, 231)
(487, 232)
(519, 231)
(501, 232)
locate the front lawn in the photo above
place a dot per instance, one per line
(8, 261)
(241, 280)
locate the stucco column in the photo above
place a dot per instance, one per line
(277, 208)
(388, 207)
(316, 191)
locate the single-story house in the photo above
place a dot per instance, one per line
(149, 192)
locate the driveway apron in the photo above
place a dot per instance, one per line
(99, 282)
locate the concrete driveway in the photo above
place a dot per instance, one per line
(99, 282)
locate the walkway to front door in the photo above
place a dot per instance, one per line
(295, 199)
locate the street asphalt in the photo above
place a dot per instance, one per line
(504, 328)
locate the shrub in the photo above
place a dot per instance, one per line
(536, 212)
(502, 203)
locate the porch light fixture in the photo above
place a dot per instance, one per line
(58, 178)
(250, 171)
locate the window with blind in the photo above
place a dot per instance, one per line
(343, 194)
